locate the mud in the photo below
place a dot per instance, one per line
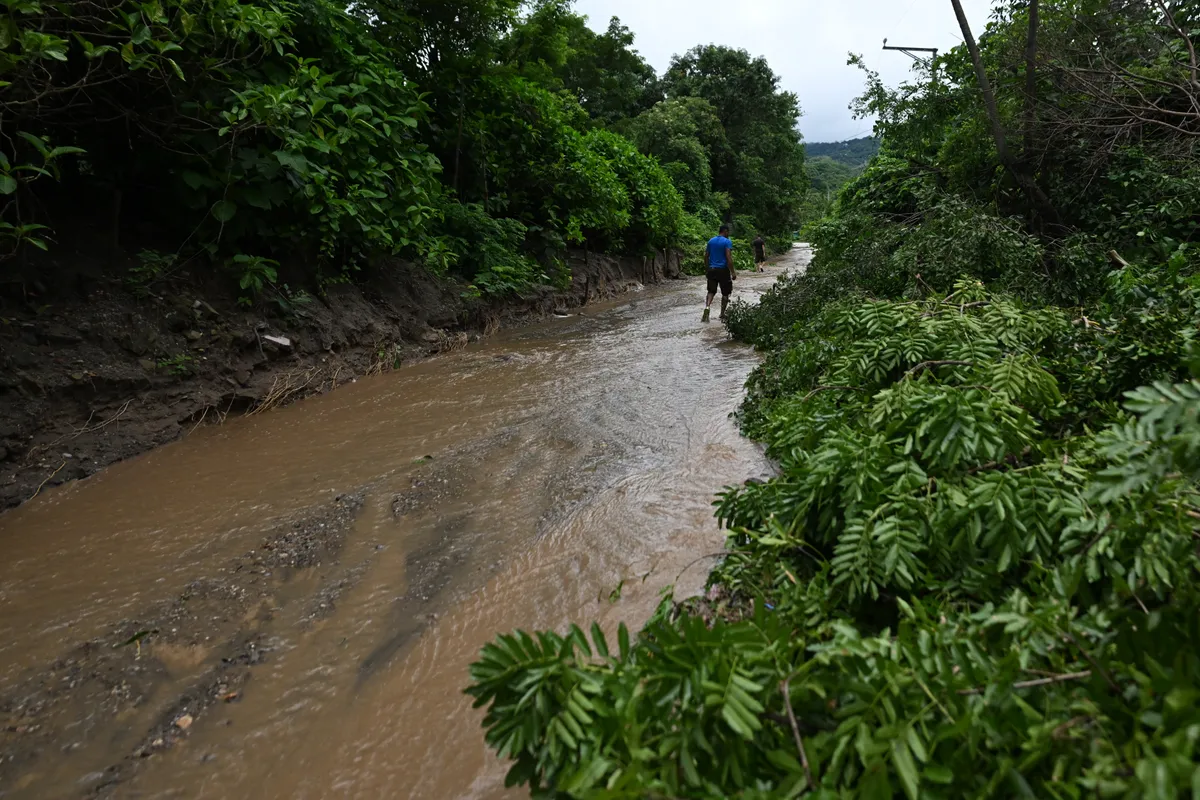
(284, 606)
(140, 685)
(90, 379)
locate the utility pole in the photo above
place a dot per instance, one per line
(911, 52)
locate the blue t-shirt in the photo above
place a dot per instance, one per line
(716, 252)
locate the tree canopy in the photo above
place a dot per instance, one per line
(325, 136)
(761, 170)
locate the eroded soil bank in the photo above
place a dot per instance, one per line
(285, 605)
(97, 374)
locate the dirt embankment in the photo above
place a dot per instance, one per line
(104, 374)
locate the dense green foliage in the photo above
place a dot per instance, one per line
(830, 166)
(977, 572)
(322, 136)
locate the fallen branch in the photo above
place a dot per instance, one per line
(921, 281)
(1071, 676)
(1062, 729)
(200, 421)
(696, 561)
(48, 477)
(791, 715)
(1095, 664)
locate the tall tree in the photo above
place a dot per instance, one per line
(686, 135)
(765, 173)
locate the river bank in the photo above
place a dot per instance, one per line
(94, 376)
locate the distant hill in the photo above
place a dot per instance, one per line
(854, 153)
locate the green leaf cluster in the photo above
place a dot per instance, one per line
(970, 577)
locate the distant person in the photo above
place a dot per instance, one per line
(760, 252)
(718, 257)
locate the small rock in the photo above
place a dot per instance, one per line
(147, 364)
(177, 322)
(184, 722)
(193, 336)
(158, 742)
(78, 377)
(62, 335)
(25, 359)
(141, 342)
(229, 697)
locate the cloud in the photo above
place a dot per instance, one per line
(805, 42)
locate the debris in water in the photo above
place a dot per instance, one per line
(136, 638)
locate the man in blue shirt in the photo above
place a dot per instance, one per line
(718, 257)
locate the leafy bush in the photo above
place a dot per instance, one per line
(489, 253)
(284, 128)
(656, 212)
(945, 592)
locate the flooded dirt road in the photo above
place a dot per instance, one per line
(285, 605)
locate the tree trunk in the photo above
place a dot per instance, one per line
(1030, 81)
(1036, 196)
(458, 143)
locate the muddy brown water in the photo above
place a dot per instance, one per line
(574, 465)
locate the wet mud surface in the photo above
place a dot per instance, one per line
(286, 605)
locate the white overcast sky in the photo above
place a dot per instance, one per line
(805, 42)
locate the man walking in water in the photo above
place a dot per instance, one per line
(760, 252)
(718, 256)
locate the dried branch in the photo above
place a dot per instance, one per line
(791, 715)
(1071, 676)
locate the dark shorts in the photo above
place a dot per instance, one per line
(720, 277)
(760, 257)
